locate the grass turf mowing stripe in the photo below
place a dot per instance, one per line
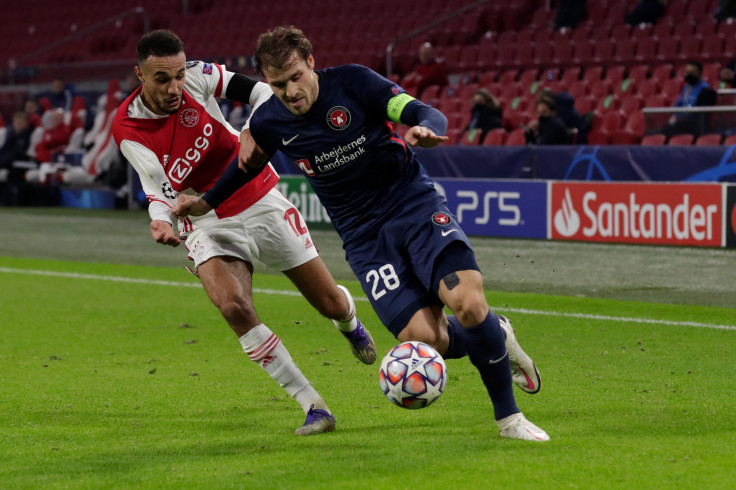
(586, 316)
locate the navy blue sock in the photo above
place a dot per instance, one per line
(487, 350)
(458, 347)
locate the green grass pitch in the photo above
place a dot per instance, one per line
(112, 384)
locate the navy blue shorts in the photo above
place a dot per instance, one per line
(400, 266)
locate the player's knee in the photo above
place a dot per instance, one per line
(469, 309)
(238, 312)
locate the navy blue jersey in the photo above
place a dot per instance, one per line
(362, 171)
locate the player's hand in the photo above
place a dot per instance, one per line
(187, 205)
(163, 232)
(251, 155)
(421, 136)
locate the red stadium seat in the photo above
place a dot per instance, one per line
(508, 76)
(662, 72)
(471, 138)
(524, 56)
(712, 48)
(495, 137)
(656, 100)
(516, 138)
(668, 49)
(487, 78)
(631, 103)
(683, 29)
(528, 77)
(601, 88)
(621, 31)
(690, 48)
(571, 75)
(604, 52)
(730, 140)
(593, 74)
(646, 49)
(597, 137)
(578, 89)
(654, 140)
(612, 121)
(584, 53)
(585, 104)
(615, 74)
(563, 52)
(671, 88)
(543, 54)
(638, 73)
(681, 140)
(616, 12)
(648, 87)
(709, 140)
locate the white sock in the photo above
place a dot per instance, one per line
(350, 322)
(265, 349)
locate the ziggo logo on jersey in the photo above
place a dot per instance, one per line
(183, 166)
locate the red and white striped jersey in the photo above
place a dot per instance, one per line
(186, 152)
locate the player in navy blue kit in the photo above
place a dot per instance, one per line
(400, 239)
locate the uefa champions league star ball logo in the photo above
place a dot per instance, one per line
(189, 117)
(168, 190)
(338, 118)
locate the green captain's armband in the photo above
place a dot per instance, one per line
(396, 105)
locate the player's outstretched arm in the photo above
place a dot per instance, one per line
(427, 124)
(424, 137)
(162, 232)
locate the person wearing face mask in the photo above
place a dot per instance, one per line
(548, 129)
(695, 93)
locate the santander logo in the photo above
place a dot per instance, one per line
(567, 220)
(677, 214)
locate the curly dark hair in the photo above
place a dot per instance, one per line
(160, 42)
(275, 47)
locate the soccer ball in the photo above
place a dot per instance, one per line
(412, 375)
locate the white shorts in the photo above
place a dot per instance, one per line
(271, 230)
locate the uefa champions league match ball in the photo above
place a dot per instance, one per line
(412, 375)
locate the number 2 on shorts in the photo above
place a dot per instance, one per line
(387, 276)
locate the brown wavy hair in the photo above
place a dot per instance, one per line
(275, 47)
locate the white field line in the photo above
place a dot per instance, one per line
(584, 316)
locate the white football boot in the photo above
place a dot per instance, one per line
(523, 370)
(516, 426)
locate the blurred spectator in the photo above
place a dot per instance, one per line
(695, 93)
(430, 71)
(548, 129)
(31, 108)
(570, 13)
(17, 142)
(727, 75)
(61, 95)
(130, 83)
(566, 111)
(55, 136)
(485, 115)
(645, 12)
(726, 10)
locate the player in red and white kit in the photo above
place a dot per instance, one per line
(172, 131)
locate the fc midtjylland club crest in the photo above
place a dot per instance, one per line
(441, 219)
(338, 118)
